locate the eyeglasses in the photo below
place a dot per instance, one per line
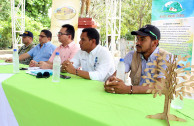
(60, 33)
(44, 75)
(42, 36)
(148, 31)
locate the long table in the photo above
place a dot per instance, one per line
(81, 102)
(7, 117)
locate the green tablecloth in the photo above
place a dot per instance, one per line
(8, 68)
(81, 102)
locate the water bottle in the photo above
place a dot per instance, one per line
(15, 61)
(56, 68)
(121, 70)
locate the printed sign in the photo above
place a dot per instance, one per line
(64, 12)
(175, 21)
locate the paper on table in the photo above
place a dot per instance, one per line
(33, 68)
(6, 63)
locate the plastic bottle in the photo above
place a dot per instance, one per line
(15, 61)
(121, 70)
(56, 68)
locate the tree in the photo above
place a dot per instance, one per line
(5, 24)
(97, 12)
(134, 14)
(36, 19)
(38, 11)
(169, 84)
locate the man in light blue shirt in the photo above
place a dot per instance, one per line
(43, 51)
(128, 61)
(137, 61)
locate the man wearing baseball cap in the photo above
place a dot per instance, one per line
(41, 52)
(136, 62)
(27, 39)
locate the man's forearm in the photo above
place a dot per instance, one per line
(50, 64)
(24, 56)
(82, 73)
(140, 89)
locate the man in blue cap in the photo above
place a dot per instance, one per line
(27, 40)
(136, 62)
(41, 52)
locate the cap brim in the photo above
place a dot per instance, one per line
(139, 33)
(23, 35)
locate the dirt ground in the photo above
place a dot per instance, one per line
(4, 54)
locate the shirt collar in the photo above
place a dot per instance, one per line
(45, 44)
(27, 46)
(68, 45)
(152, 57)
(94, 51)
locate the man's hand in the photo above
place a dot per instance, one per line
(10, 60)
(67, 66)
(44, 65)
(33, 64)
(115, 85)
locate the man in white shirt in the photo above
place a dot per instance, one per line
(96, 61)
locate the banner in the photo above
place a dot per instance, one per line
(175, 21)
(64, 12)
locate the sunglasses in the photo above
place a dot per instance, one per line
(44, 75)
(148, 31)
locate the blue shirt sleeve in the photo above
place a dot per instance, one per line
(53, 48)
(127, 60)
(32, 51)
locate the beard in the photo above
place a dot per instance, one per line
(143, 51)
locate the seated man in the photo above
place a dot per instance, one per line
(43, 51)
(27, 39)
(136, 61)
(67, 49)
(96, 61)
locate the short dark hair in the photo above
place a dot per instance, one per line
(152, 38)
(47, 33)
(70, 30)
(92, 33)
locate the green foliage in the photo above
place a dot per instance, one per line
(134, 14)
(36, 19)
(34, 26)
(4, 7)
(97, 12)
(6, 35)
(5, 24)
(38, 10)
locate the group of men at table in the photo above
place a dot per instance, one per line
(94, 61)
